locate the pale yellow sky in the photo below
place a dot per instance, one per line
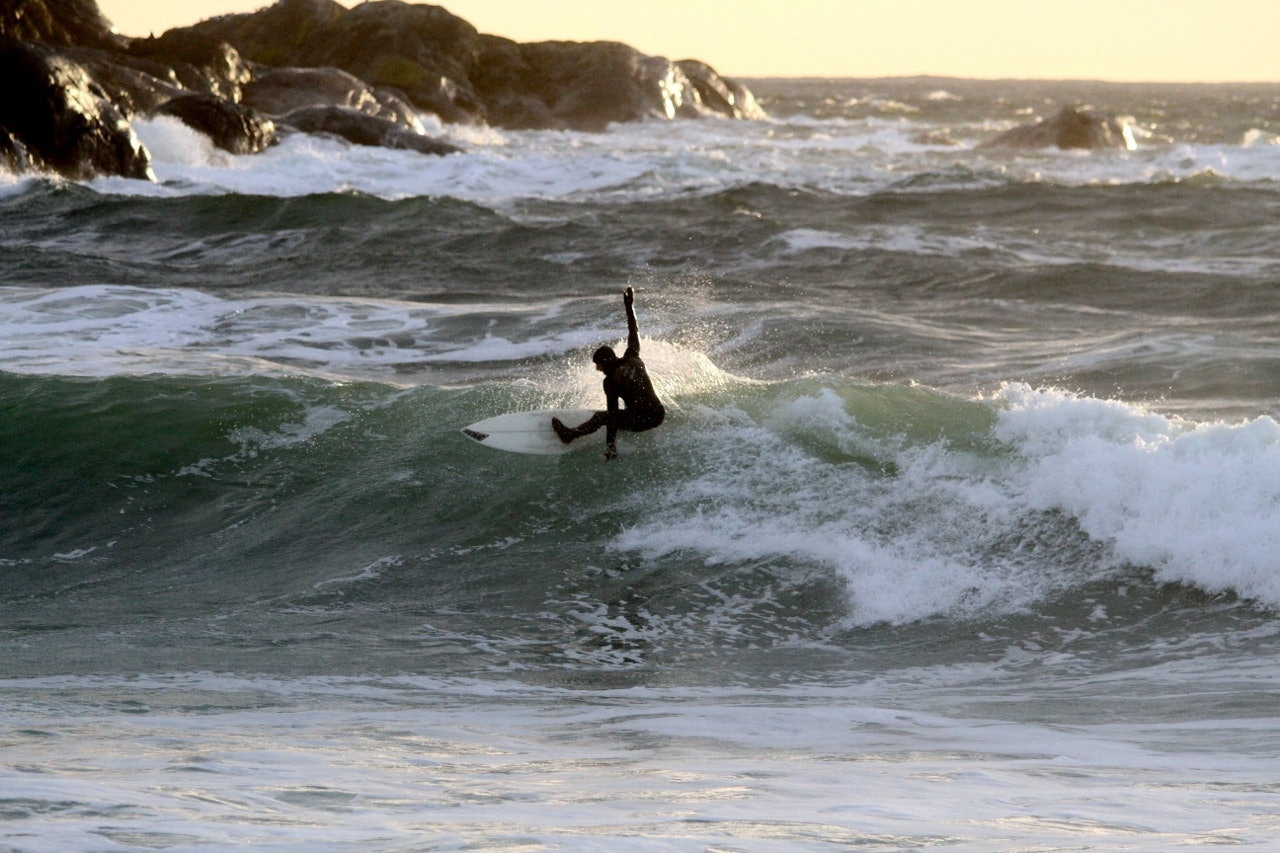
(1128, 40)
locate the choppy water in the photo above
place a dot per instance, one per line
(962, 531)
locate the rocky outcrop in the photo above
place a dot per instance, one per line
(581, 86)
(58, 23)
(276, 34)
(365, 74)
(720, 95)
(278, 91)
(195, 62)
(423, 51)
(362, 128)
(56, 117)
(587, 86)
(442, 65)
(232, 127)
(1070, 128)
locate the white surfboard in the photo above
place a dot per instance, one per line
(530, 432)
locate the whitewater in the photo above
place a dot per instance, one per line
(962, 531)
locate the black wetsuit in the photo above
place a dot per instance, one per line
(625, 381)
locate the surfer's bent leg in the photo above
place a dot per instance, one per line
(626, 419)
(568, 434)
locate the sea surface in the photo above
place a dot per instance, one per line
(963, 532)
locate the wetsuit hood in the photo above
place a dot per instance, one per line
(605, 358)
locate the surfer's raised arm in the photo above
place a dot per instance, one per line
(633, 328)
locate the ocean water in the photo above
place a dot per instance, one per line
(963, 531)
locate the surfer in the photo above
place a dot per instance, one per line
(625, 379)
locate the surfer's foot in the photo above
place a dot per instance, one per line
(566, 435)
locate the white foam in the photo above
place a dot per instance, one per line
(205, 762)
(1200, 503)
(173, 143)
(655, 159)
(904, 547)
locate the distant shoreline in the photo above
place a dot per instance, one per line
(908, 78)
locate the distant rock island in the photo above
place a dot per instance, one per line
(365, 74)
(1070, 128)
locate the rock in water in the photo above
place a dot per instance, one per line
(363, 129)
(441, 64)
(720, 95)
(63, 119)
(1070, 128)
(232, 127)
(277, 91)
(588, 85)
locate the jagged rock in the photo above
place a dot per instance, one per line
(361, 73)
(58, 23)
(277, 91)
(362, 128)
(275, 34)
(424, 51)
(62, 118)
(420, 50)
(502, 78)
(232, 127)
(588, 85)
(580, 85)
(1070, 128)
(133, 91)
(196, 62)
(719, 95)
(441, 64)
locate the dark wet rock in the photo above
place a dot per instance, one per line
(363, 73)
(63, 119)
(196, 62)
(132, 90)
(277, 91)
(275, 34)
(58, 23)
(361, 128)
(420, 50)
(232, 127)
(441, 64)
(504, 80)
(720, 95)
(1070, 128)
(588, 85)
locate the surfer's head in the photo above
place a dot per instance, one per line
(605, 358)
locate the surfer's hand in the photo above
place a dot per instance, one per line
(628, 296)
(610, 452)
